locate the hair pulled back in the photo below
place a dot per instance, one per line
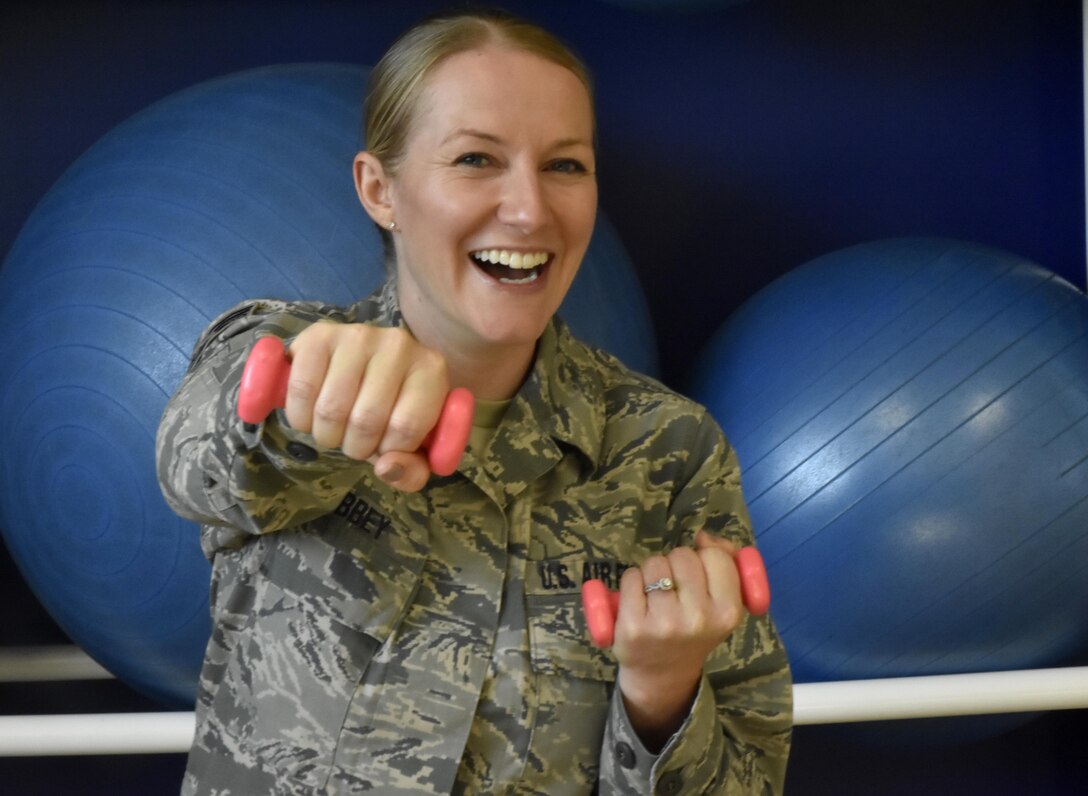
(397, 79)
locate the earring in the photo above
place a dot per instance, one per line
(392, 225)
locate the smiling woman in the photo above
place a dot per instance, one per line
(499, 158)
(151, 234)
(436, 628)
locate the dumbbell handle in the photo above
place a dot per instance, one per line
(602, 605)
(264, 388)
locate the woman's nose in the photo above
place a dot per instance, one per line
(522, 204)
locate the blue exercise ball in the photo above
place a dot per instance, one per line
(911, 418)
(236, 188)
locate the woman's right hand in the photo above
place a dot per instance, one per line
(372, 392)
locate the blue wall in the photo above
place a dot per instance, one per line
(737, 143)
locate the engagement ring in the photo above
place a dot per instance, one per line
(664, 584)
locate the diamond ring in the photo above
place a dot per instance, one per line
(664, 584)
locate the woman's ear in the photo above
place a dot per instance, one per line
(374, 188)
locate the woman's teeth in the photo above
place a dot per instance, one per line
(511, 259)
(532, 277)
(511, 268)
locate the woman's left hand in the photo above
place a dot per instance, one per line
(664, 636)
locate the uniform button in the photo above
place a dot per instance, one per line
(301, 452)
(625, 755)
(670, 783)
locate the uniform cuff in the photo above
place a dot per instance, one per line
(688, 763)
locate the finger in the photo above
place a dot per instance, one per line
(419, 403)
(309, 363)
(632, 594)
(337, 396)
(723, 582)
(704, 539)
(688, 574)
(375, 397)
(723, 585)
(407, 472)
(656, 570)
(692, 590)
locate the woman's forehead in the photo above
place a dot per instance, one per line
(492, 86)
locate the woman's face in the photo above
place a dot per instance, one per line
(494, 199)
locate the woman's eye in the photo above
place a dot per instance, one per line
(476, 159)
(568, 166)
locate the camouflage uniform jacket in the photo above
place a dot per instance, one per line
(371, 641)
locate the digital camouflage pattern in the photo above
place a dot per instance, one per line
(371, 641)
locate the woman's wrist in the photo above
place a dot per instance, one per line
(657, 705)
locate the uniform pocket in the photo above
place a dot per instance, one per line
(574, 682)
(559, 640)
(320, 613)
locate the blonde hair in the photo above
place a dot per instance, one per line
(395, 82)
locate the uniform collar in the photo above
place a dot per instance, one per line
(384, 307)
(562, 400)
(564, 392)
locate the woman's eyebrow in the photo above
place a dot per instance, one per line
(467, 132)
(563, 143)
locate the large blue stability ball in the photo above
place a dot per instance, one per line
(911, 417)
(236, 188)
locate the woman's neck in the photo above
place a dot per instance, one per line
(491, 369)
(495, 373)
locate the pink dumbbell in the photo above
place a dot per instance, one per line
(602, 605)
(264, 388)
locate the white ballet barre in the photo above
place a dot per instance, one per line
(941, 695)
(96, 734)
(814, 703)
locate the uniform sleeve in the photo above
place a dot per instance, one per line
(736, 737)
(216, 470)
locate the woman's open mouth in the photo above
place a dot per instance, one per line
(510, 267)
